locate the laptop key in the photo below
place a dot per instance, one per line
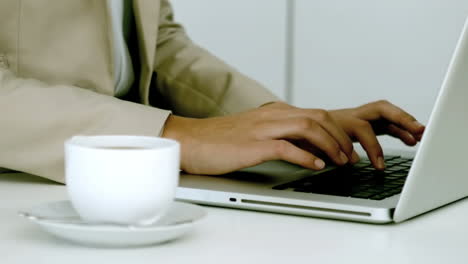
(361, 165)
(389, 158)
(378, 197)
(362, 195)
(362, 181)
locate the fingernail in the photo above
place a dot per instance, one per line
(320, 164)
(344, 159)
(355, 157)
(380, 163)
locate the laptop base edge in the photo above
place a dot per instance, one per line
(253, 203)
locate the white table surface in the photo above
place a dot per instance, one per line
(236, 236)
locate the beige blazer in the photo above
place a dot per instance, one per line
(56, 79)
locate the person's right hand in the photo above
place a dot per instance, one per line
(225, 144)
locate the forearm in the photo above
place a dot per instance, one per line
(37, 118)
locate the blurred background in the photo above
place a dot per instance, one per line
(334, 53)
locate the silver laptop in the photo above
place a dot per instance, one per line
(412, 184)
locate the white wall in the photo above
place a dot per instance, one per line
(250, 35)
(351, 52)
(345, 52)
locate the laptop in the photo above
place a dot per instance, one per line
(412, 184)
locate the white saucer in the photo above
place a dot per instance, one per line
(61, 220)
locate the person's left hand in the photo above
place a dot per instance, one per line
(364, 123)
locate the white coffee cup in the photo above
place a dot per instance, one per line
(121, 179)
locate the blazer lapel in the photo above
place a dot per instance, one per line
(146, 19)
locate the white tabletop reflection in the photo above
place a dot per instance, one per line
(236, 236)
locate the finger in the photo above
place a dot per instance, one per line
(364, 133)
(355, 157)
(305, 145)
(418, 137)
(330, 125)
(336, 131)
(309, 130)
(392, 113)
(284, 150)
(401, 134)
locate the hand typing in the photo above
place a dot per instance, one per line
(279, 131)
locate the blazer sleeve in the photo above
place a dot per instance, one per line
(36, 119)
(194, 82)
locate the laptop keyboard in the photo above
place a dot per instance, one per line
(361, 180)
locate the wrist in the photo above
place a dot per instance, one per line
(173, 127)
(180, 129)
